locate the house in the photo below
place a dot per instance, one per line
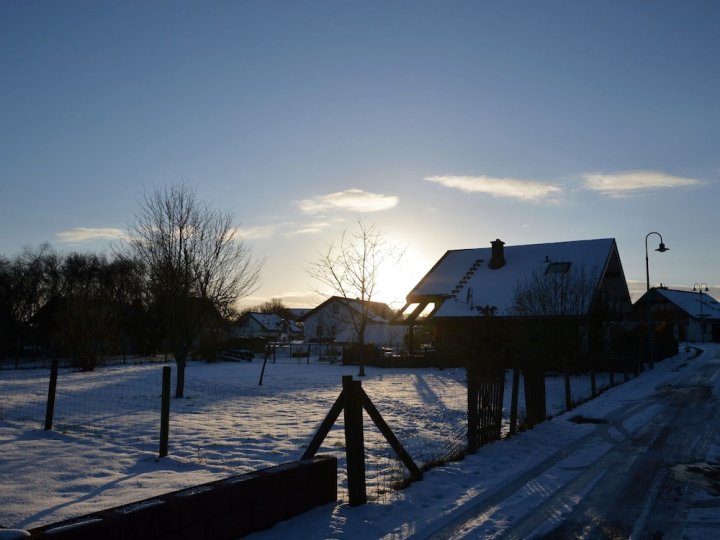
(268, 326)
(468, 290)
(294, 314)
(695, 315)
(337, 320)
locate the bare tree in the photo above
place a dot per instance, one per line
(351, 269)
(32, 278)
(274, 306)
(197, 266)
(567, 292)
(555, 307)
(86, 321)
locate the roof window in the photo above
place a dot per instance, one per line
(558, 268)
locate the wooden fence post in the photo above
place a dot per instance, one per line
(354, 441)
(50, 409)
(535, 395)
(472, 407)
(514, 399)
(165, 412)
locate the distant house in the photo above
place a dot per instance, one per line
(294, 314)
(266, 325)
(467, 288)
(694, 314)
(332, 321)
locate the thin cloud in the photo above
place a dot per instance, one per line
(311, 228)
(526, 190)
(90, 234)
(254, 233)
(350, 200)
(628, 183)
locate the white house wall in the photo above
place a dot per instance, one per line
(335, 317)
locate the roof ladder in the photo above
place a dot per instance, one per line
(463, 281)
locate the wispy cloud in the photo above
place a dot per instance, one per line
(627, 183)
(312, 228)
(90, 234)
(526, 190)
(350, 200)
(255, 233)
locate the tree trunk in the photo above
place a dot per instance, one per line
(361, 348)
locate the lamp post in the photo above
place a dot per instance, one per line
(662, 249)
(699, 288)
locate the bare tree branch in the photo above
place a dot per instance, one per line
(351, 269)
(197, 265)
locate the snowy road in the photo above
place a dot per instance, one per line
(641, 473)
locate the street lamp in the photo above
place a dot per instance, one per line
(699, 288)
(662, 249)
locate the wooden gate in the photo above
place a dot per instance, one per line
(486, 388)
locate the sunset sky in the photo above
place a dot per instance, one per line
(446, 124)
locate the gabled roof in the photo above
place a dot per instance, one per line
(689, 302)
(462, 282)
(295, 313)
(270, 322)
(378, 311)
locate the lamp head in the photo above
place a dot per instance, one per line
(661, 248)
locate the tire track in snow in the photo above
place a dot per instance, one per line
(484, 507)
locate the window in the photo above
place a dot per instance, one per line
(558, 268)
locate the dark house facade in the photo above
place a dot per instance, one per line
(495, 298)
(693, 315)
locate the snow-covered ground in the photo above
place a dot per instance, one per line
(104, 453)
(103, 448)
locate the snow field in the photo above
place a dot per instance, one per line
(227, 423)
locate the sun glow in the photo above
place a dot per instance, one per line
(396, 280)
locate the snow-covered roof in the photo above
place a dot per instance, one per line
(296, 313)
(378, 312)
(271, 322)
(463, 280)
(690, 302)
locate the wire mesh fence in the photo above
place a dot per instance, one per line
(228, 420)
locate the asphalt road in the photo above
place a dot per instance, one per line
(652, 484)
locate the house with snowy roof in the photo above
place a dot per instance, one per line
(269, 326)
(694, 314)
(339, 319)
(560, 280)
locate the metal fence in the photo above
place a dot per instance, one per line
(227, 420)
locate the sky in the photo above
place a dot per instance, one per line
(445, 124)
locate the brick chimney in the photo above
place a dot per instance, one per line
(498, 255)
